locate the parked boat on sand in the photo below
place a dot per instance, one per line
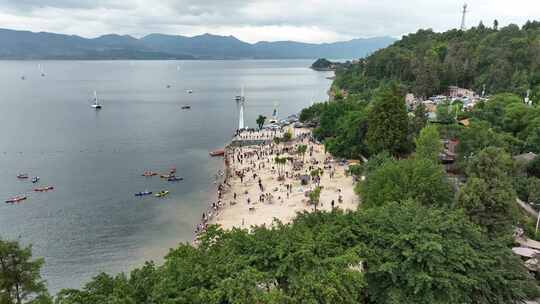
(219, 152)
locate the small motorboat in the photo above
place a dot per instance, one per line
(175, 179)
(44, 189)
(35, 179)
(189, 91)
(22, 176)
(143, 193)
(219, 152)
(149, 173)
(162, 193)
(166, 175)
(16, 199)
(186, 107)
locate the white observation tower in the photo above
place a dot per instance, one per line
(463, 17)
(241, 100)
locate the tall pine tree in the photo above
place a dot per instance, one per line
(388, 123)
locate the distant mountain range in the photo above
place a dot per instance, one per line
(42, 45)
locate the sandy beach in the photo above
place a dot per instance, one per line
(252, 193)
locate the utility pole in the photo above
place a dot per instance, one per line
(463, 17)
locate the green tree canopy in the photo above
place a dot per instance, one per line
(302, 149)
(425, 255)
(445, 113)
(388, 123)
(420, 119)
(315, 196)
(20, 278)
(260, 121)
(399, 253)
(428, 144)
(426, 62)
(494, 110)
(477, 137)
(350, 134)
(488, 197)
(493, 164)
(395, 181)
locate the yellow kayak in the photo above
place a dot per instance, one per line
(162, 193)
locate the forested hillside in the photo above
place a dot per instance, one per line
(504, 60)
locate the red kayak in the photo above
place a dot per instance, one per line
(43, 189)
(16, 199)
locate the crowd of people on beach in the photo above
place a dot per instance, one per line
(246, 163)
(214, 207)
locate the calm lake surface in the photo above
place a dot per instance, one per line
(92, 222)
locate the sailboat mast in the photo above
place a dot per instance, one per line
(275, 112)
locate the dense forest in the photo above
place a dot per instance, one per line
(420, 235)
(502, 60)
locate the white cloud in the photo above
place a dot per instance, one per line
(302, 20)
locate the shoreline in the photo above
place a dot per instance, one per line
(250, 192)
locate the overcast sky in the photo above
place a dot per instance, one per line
(256, 20)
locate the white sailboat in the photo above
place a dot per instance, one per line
(275, 114)
(96, 105)
(40, 67)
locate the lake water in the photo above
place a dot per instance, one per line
(92, 222)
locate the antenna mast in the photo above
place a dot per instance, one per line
(463, 17)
